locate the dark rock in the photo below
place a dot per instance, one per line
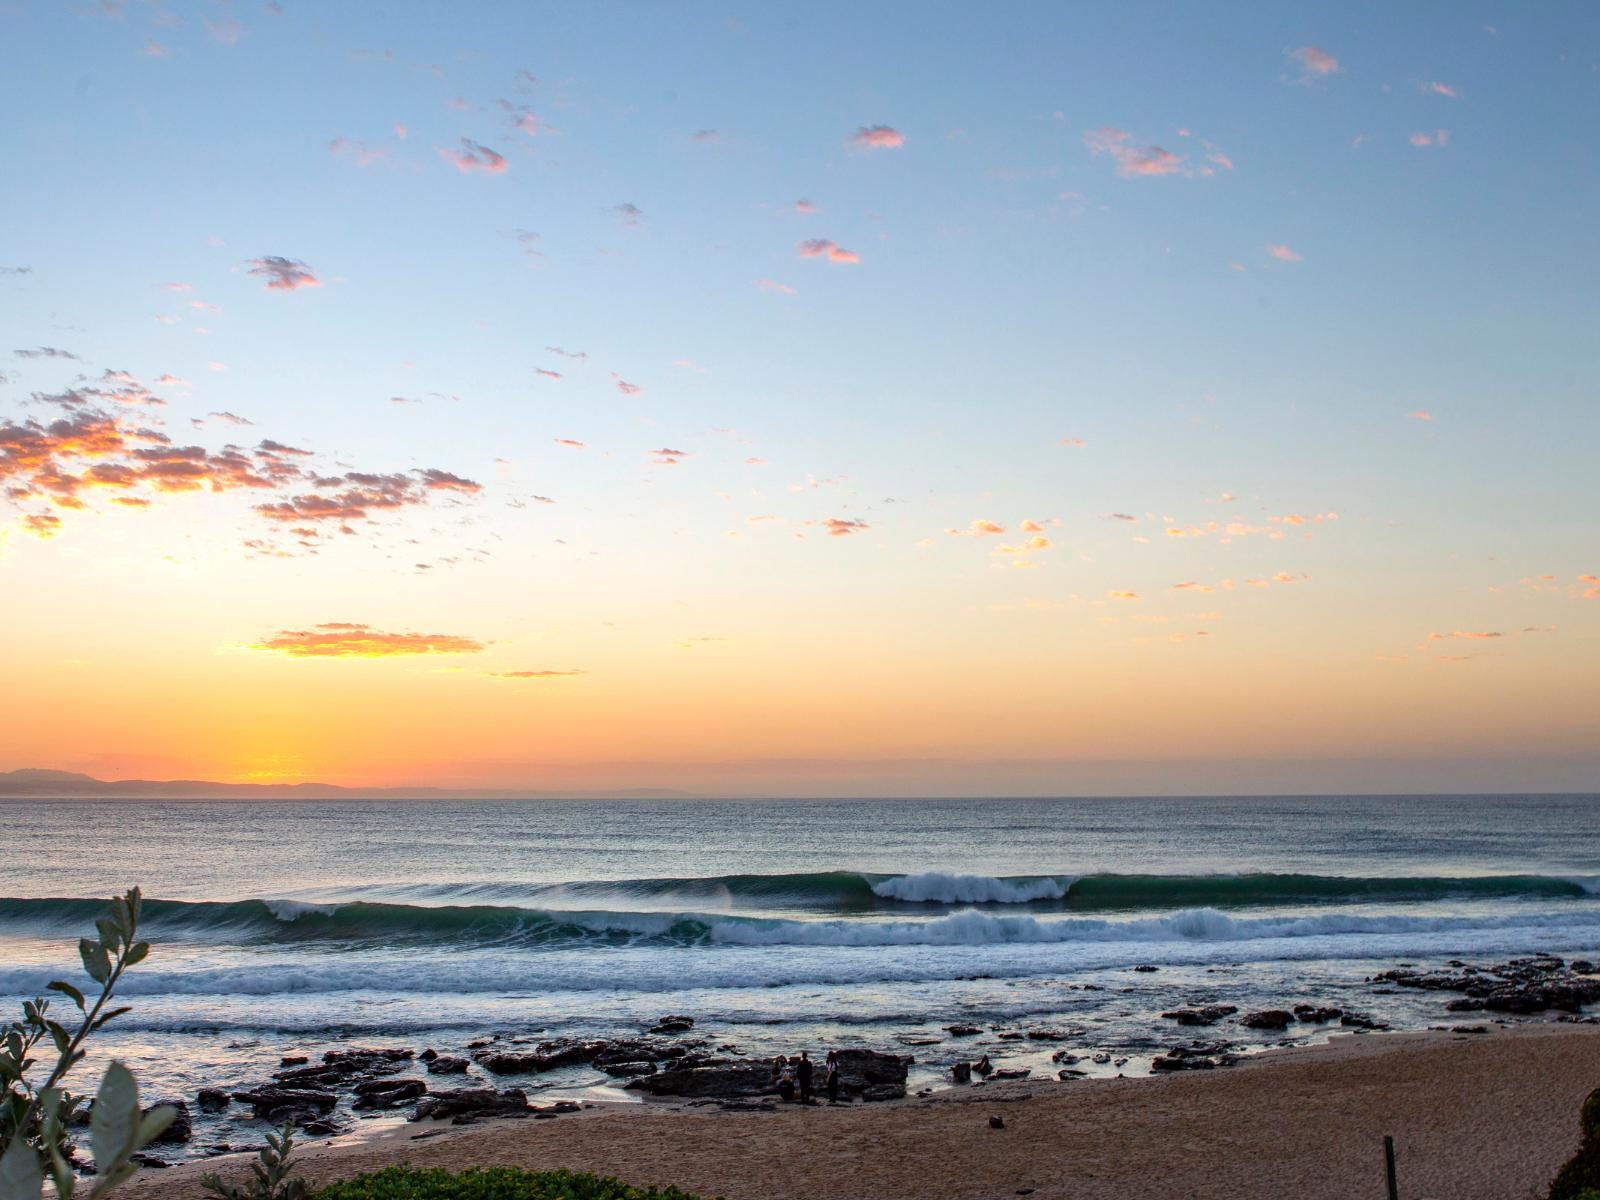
(1209, 1015)
(1469, 1029)
(983, 1067)
(1352, 1020)
(428, 1055)
(505, 1063)
(962, 1030)
(1046, 1035)
(1013, 1036)
(1522, 986)
(470, 1103)
(1315, 1015)
(628, 1069)
(181, 1129)
(147, 1160)
(388, 1093)
(869, 1075)
(733, 1080)
(293, 1060)
(442, 1064)
(1146, 968)
(997, 1122)
(1012, 1073)
(961, 1072)
(1267, 1018)
(673, 1023)
(279, 1104)
(212, 1099)
(320, 1127)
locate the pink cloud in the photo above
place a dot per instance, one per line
(363, 155)
(1133, 161)
(573, 442)
(1314, 62)
(878, 137)
(804, 206)
(1072, 443)
(626, 388)
(473, 157)
(772, 285)
(1123, 595)
(827, 248)
(153, 49)
(1283, 253)
(284, 274)
(1463, 635)
(1420, 414)
(1438, 89)
(547, 374)
(844, 527)
(1439, 137)
(523, 118)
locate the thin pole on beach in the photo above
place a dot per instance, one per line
(1388, 1163)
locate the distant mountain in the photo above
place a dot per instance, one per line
(44, 784)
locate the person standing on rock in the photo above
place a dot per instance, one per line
(832, 1080)
(803, 1072)
(785, 1077)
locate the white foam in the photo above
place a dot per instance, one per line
(291, 910)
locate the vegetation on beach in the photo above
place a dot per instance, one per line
(269, 1174)
(494, 1183)
(1579, 1179)
(35, 1112)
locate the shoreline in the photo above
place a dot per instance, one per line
(1475, 1116)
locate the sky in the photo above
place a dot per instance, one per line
(847, 399)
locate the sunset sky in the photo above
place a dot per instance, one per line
(828, 399)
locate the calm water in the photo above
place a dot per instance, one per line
(293, 926)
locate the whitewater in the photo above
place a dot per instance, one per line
(291, 927)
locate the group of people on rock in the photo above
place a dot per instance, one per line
(795, 1076)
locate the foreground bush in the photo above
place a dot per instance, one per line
(1580, 1178)
(496, 1183)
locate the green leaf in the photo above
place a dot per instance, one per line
(106, 1016)
(114, 1121)
(153, 1123)
(59, 1036)
(137, 952)
(95, 959)
(110, 933)
(67, 990)
(120, 917)
(20, 1175)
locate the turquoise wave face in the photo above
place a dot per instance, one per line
(608, 918)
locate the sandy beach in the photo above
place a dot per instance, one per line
(1475, 1117)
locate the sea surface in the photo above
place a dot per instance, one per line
(293, 927)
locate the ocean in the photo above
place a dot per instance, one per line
(295, 927)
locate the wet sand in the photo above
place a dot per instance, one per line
(1474, 1118)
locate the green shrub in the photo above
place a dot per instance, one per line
(1579, 1179)
(35, 1112)
(495, 1183)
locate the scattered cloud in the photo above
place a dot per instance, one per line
(772, 285)
(1463, 635)
(828, 249)
(522, 118)
(47, 352)
(878, 137)
(1420, 414)
(541, 371)
(559, 352)
(705, 135)
(844, 526)
(1072, 443)
(283, 274)
(153, 49)
(1283, 253)
(361, 154)
(572, 442)
(1439, 137)
(1123, 595)
(1436, 88)
(530, 675)
(667, 457)
(804, 206)
(631, 214)
(1314, 63)
(473, 157)
(626, 388)
(341, 639)
(1133, 161)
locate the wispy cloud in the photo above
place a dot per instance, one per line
(1314, 63)
(571, 442)
(342, 639)
(559, 352)
(283, 274)
(361, 154)
(667, 457)
(630, 213)
(46, 352)
(1464, 635)
(474, 157)
(1072, 443)
(517, 676)
(1436, 88)
(878, 137)
(1420, 414)
(828, 249)
(772, 285)
(804, 206)
(522, 118)
(626, 388)
(1133, 161)
(546, 373)
(1283, 253)
(1438, 137)
(844, 526)
(1123, 595)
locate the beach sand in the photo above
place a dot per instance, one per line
(1474, 1118)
